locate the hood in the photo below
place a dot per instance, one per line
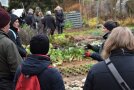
(35, 64)
(13, 19)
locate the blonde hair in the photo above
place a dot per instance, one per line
(120, 37)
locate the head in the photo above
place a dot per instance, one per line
(41, 14)
(58, 8)
(48, 13)
(39, 44)
(4, 20)
(30, 11)
(120, 37)
(109, 26)
(14, 22)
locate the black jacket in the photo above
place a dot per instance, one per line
(59, 17)
(98, 49)
(30, 20)
(49, 22)
(13, 35)
(100, 78)
(49, 78)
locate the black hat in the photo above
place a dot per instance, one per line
(110, 25)
(39, 44)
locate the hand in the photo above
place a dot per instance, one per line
(87, 54)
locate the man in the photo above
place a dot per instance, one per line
(9, 55)
(39, 64)
(49, 23)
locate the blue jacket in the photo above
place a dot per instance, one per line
(49, 78)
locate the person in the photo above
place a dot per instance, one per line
(38, 19)
(9, 55)
(49, 23)
(38, 63)
(119, 47)
(59, 19)
(107, 28)
(14, 36)
(29, 19)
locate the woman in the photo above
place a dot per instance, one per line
(59, 15)
(38, 63)
(9, 56)
(13, 34)
(119, 47)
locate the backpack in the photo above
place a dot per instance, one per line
(26, 82)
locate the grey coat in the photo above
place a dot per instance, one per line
(9, 61)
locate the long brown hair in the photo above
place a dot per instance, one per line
(120, 37)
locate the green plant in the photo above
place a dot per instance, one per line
(75, 70)
(68, 25)
(58, 56)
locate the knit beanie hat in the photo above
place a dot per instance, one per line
(4, 18)
(110, 25)
(39, 44)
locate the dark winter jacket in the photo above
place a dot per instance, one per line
(59, 17)
(49, 78)
(49, 22)
(9, 61)
(100, 78)
(13, 35)
(30, 20)
(16, 39)
(98, 49)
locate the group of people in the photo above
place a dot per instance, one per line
(46, 24)
(118, 47)
(12, 64)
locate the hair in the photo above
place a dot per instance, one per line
(120, 37)
(48, 13)
(39, 44)
(30, 11)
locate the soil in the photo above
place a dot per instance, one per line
(75, 82)
(77, 63)
(69, 81)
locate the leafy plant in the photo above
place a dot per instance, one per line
(75, 70)
(58, 56)
(68, 25)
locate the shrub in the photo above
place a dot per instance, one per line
(26, 33)
(68, 25)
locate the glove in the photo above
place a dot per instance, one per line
(87, 54)
(88, 46)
